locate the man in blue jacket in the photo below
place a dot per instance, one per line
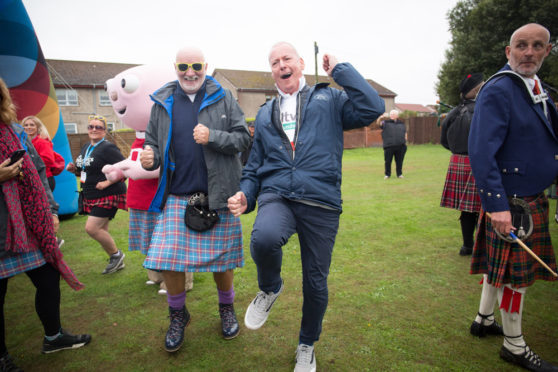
(513, 149)
(294, 174)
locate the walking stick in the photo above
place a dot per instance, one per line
(528, 250)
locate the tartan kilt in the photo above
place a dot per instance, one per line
(17, 263)
(107, 202)
(460, 189)
(174, 247)
(506, 262)
(141, 227)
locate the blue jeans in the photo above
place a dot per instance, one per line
(279, 218)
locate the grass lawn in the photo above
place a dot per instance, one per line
(401, 298)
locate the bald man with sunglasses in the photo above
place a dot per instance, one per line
(194, 135)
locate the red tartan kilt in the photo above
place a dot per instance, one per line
(460, 189)
(107, 202)
(506, 262)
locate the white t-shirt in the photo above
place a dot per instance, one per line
(288, 111)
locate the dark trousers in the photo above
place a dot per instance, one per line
(468, 222)
(46, 280)
(279, 218)
(399, 153)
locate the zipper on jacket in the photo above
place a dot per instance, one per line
(298, 117)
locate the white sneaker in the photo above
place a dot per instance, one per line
(150, 282)
(386, 177)
(259, 308)
(305, 359)
(162, 291)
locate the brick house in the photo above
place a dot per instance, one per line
(254, 88)
(80, 90)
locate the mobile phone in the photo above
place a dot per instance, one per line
(16, 155)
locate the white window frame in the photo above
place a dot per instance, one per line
(70, 97)
(71, 125)
(104, 99)
(111, 126)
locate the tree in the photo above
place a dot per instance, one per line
(481, 30)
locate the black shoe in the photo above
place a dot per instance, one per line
(7, 364)
(65, 341)
(480, 330)
(465, 251)
(528, 360)
(229, 324)
(179, 319)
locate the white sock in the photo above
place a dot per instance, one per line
(511, 322)
(487, 302)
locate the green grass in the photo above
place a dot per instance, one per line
(401, 298)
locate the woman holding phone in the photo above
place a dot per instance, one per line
(27, 241)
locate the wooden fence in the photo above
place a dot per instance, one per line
(419, 130)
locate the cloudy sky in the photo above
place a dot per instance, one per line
(398, 43)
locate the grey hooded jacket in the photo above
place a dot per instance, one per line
(228, 135)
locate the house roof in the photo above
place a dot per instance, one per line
(83, 74)
(414, 107)
(262, 81)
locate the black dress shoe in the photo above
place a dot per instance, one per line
(528, 360)
(465, 251)
(480, 330)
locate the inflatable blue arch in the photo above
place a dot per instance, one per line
(23, 68)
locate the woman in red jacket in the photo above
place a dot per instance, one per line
(40, 138)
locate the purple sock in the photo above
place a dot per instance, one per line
(226, 297)
(176, 302)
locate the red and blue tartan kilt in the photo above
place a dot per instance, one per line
(141, 227)
(18, 263)
(174, 247)
(506, 262)
(107, 202)
(460, 189)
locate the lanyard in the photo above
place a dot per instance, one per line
(90, 150)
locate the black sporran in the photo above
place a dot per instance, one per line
(198, 216)
(522, 220)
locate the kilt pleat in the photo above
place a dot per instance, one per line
(142, 224)
(174, 247)
(460, 189)
(506, 262)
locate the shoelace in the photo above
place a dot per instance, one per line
(262, 301)
(227, 315)
(304, 355)
(532, 356)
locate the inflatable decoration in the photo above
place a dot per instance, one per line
(23, 68)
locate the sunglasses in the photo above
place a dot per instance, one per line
(97, 127)
(98, 117)
(197, 66)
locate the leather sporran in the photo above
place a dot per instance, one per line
(198, 216)
(522, 220)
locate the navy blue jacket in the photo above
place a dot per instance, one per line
(512, 145)
(313, 172)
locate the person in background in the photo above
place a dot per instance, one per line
(460, 190)
(194, 135)
(294, 174)
(394, 138)
(101, 198)
(244, 155)
(513, 145)
(27, 240)
(40, 138)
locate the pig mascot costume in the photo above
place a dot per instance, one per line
(129, 94)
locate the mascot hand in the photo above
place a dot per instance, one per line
(133, 170)
(112, 172)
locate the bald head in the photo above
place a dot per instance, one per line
(190, 69)
(529, 46)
